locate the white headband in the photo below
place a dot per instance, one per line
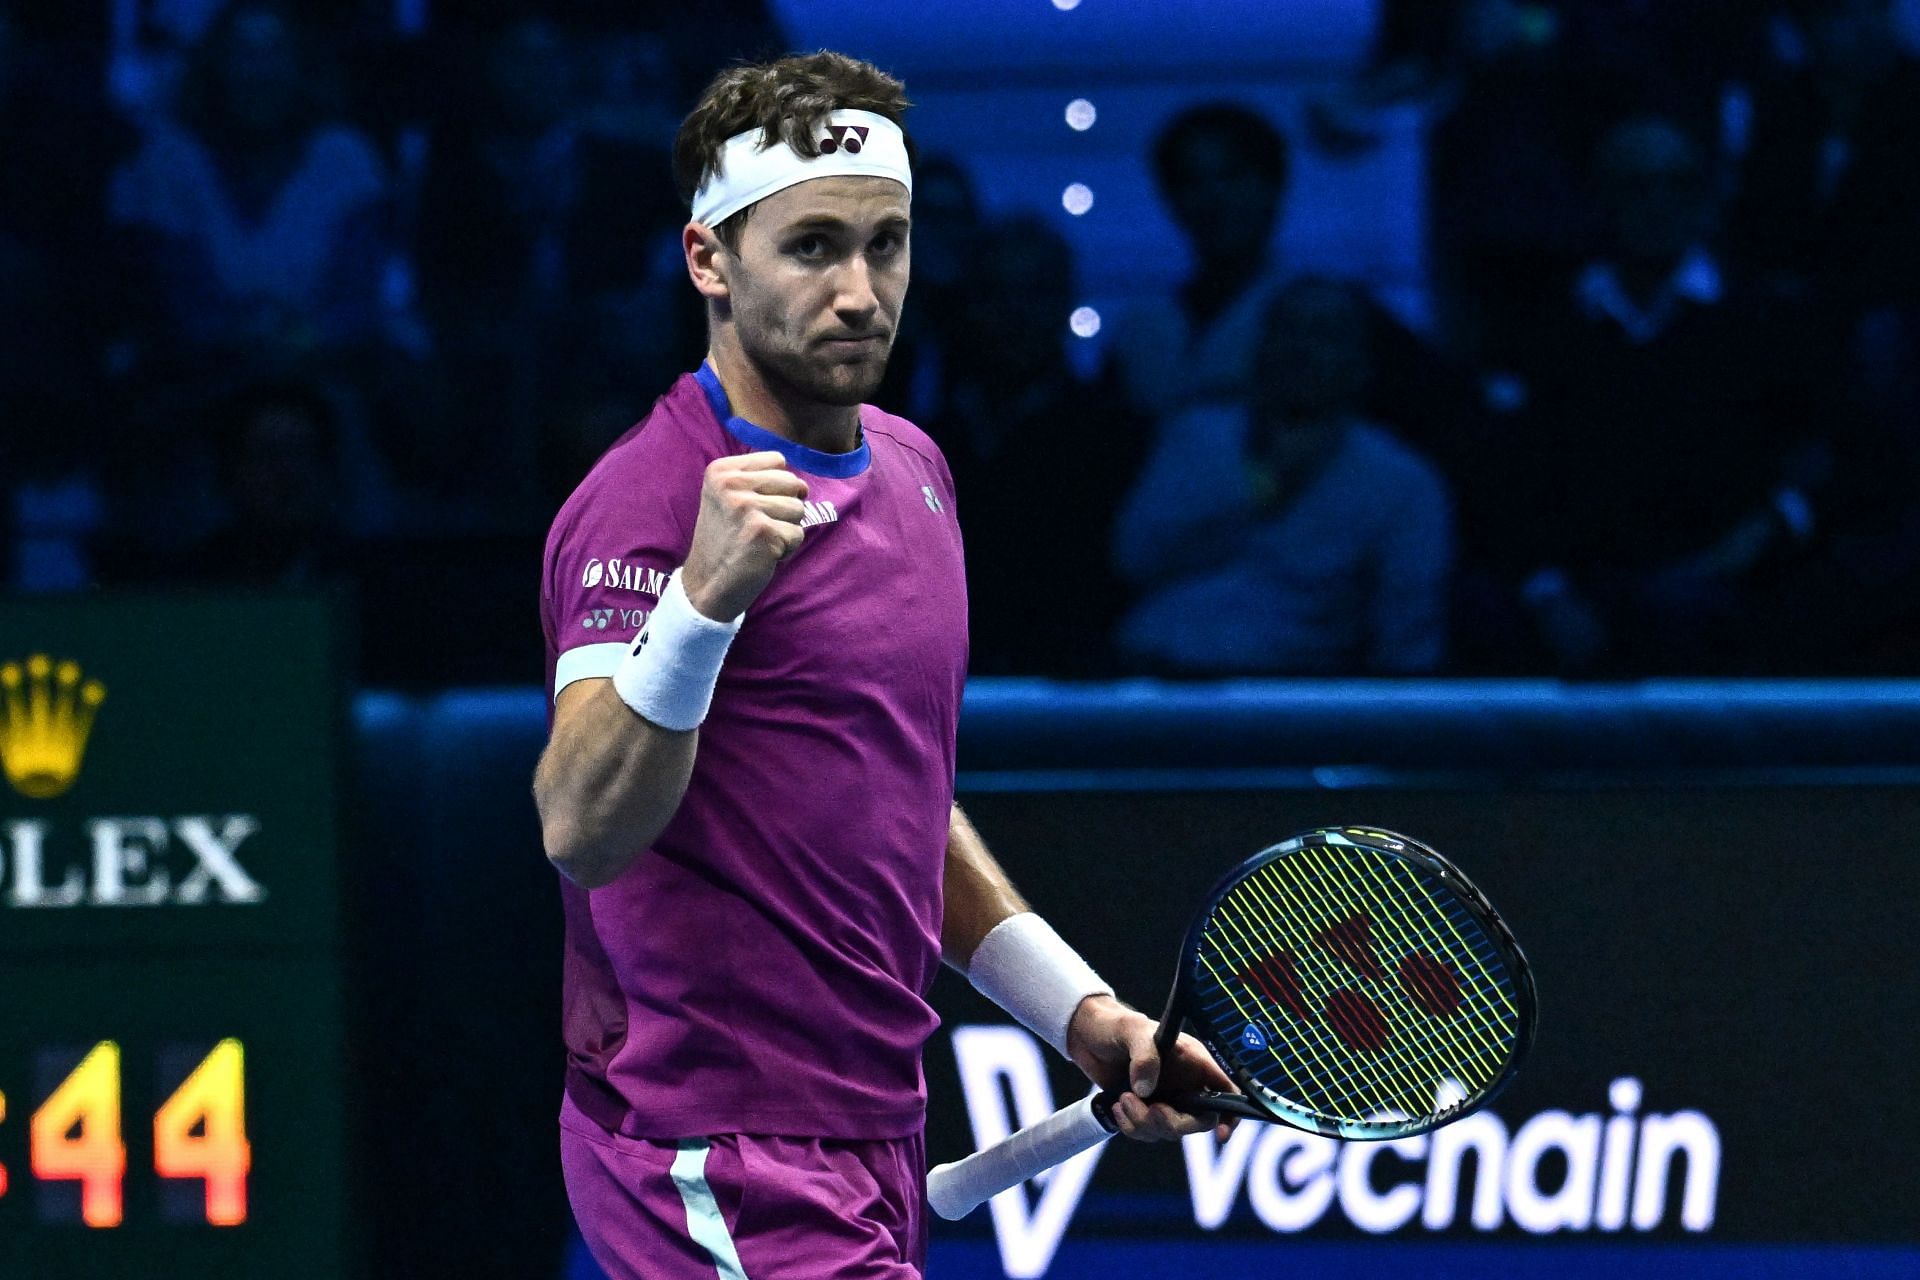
(852, 143)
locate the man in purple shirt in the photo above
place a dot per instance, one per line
(751, 801)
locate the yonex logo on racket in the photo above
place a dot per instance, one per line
(1356, 1019)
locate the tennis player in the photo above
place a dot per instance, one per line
(751, 803)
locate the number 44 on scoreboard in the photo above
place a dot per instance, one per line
(199, 1132)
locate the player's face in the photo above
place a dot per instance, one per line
(817, 284)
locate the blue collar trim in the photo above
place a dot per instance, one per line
(837, 466)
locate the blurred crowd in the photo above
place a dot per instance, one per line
(310, 294)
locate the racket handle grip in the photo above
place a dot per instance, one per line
(954, 1190)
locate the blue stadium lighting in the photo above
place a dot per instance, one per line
(1085, 322)
(1077, 198)
(1081, 115)
(1064, 5)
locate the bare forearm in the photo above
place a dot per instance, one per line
(978, 894)
(607, 784)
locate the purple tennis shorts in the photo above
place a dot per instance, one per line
(740, 1207)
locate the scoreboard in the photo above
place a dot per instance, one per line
(171, 1044)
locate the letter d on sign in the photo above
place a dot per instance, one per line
(989, 1056)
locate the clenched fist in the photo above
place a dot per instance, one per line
(750, 513)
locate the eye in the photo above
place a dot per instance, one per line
(810, 248)
(888, 243)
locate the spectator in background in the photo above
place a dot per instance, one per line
(1508, 203)
(1519, 92)
(947, 235)
(630, 323)
(1830, 194)
(1287, 534)
(626, 107)
(1830, 197)
(551, 230)
(1828, 208)
(503, 178)
(503, 186)
(1039, 459)
(262, 226)
(1626, 55)
(1222, 170)
(58, 307)
(1668, 457)
(276, 447)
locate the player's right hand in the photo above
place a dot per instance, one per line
(750, 513)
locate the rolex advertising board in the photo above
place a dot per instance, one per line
(170, 1012)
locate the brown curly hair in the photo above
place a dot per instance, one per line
(788, 98)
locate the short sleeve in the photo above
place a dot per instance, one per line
(608, 559)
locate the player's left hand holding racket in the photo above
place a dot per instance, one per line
(1350, 981)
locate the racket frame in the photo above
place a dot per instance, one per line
(1244, 1104)
(955, 1189)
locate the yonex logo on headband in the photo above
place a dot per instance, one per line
(857, 144)
(851, 138)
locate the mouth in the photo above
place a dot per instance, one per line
(855, 342)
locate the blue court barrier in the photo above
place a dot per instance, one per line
(463, 910)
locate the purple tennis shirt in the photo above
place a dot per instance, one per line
(763, 968)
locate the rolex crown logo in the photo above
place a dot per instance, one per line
(46, 712)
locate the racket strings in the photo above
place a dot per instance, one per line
(1397, 889)
(1409, 910)
(1325, 1077)
(1310, 1089)
(1458, 1041)
(1348, 1087)
(1379, 1080)
(1260, 922)
(1452, 1040)
(1413, 906)
(1353, 1083)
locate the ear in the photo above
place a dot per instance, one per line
(707, 260)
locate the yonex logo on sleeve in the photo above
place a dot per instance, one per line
(591, 578)
(933, 499)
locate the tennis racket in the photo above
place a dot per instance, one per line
(1350, 982)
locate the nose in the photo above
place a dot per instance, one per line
(854, 300)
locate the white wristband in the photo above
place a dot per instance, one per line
(1026, 968)
(669, 674)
